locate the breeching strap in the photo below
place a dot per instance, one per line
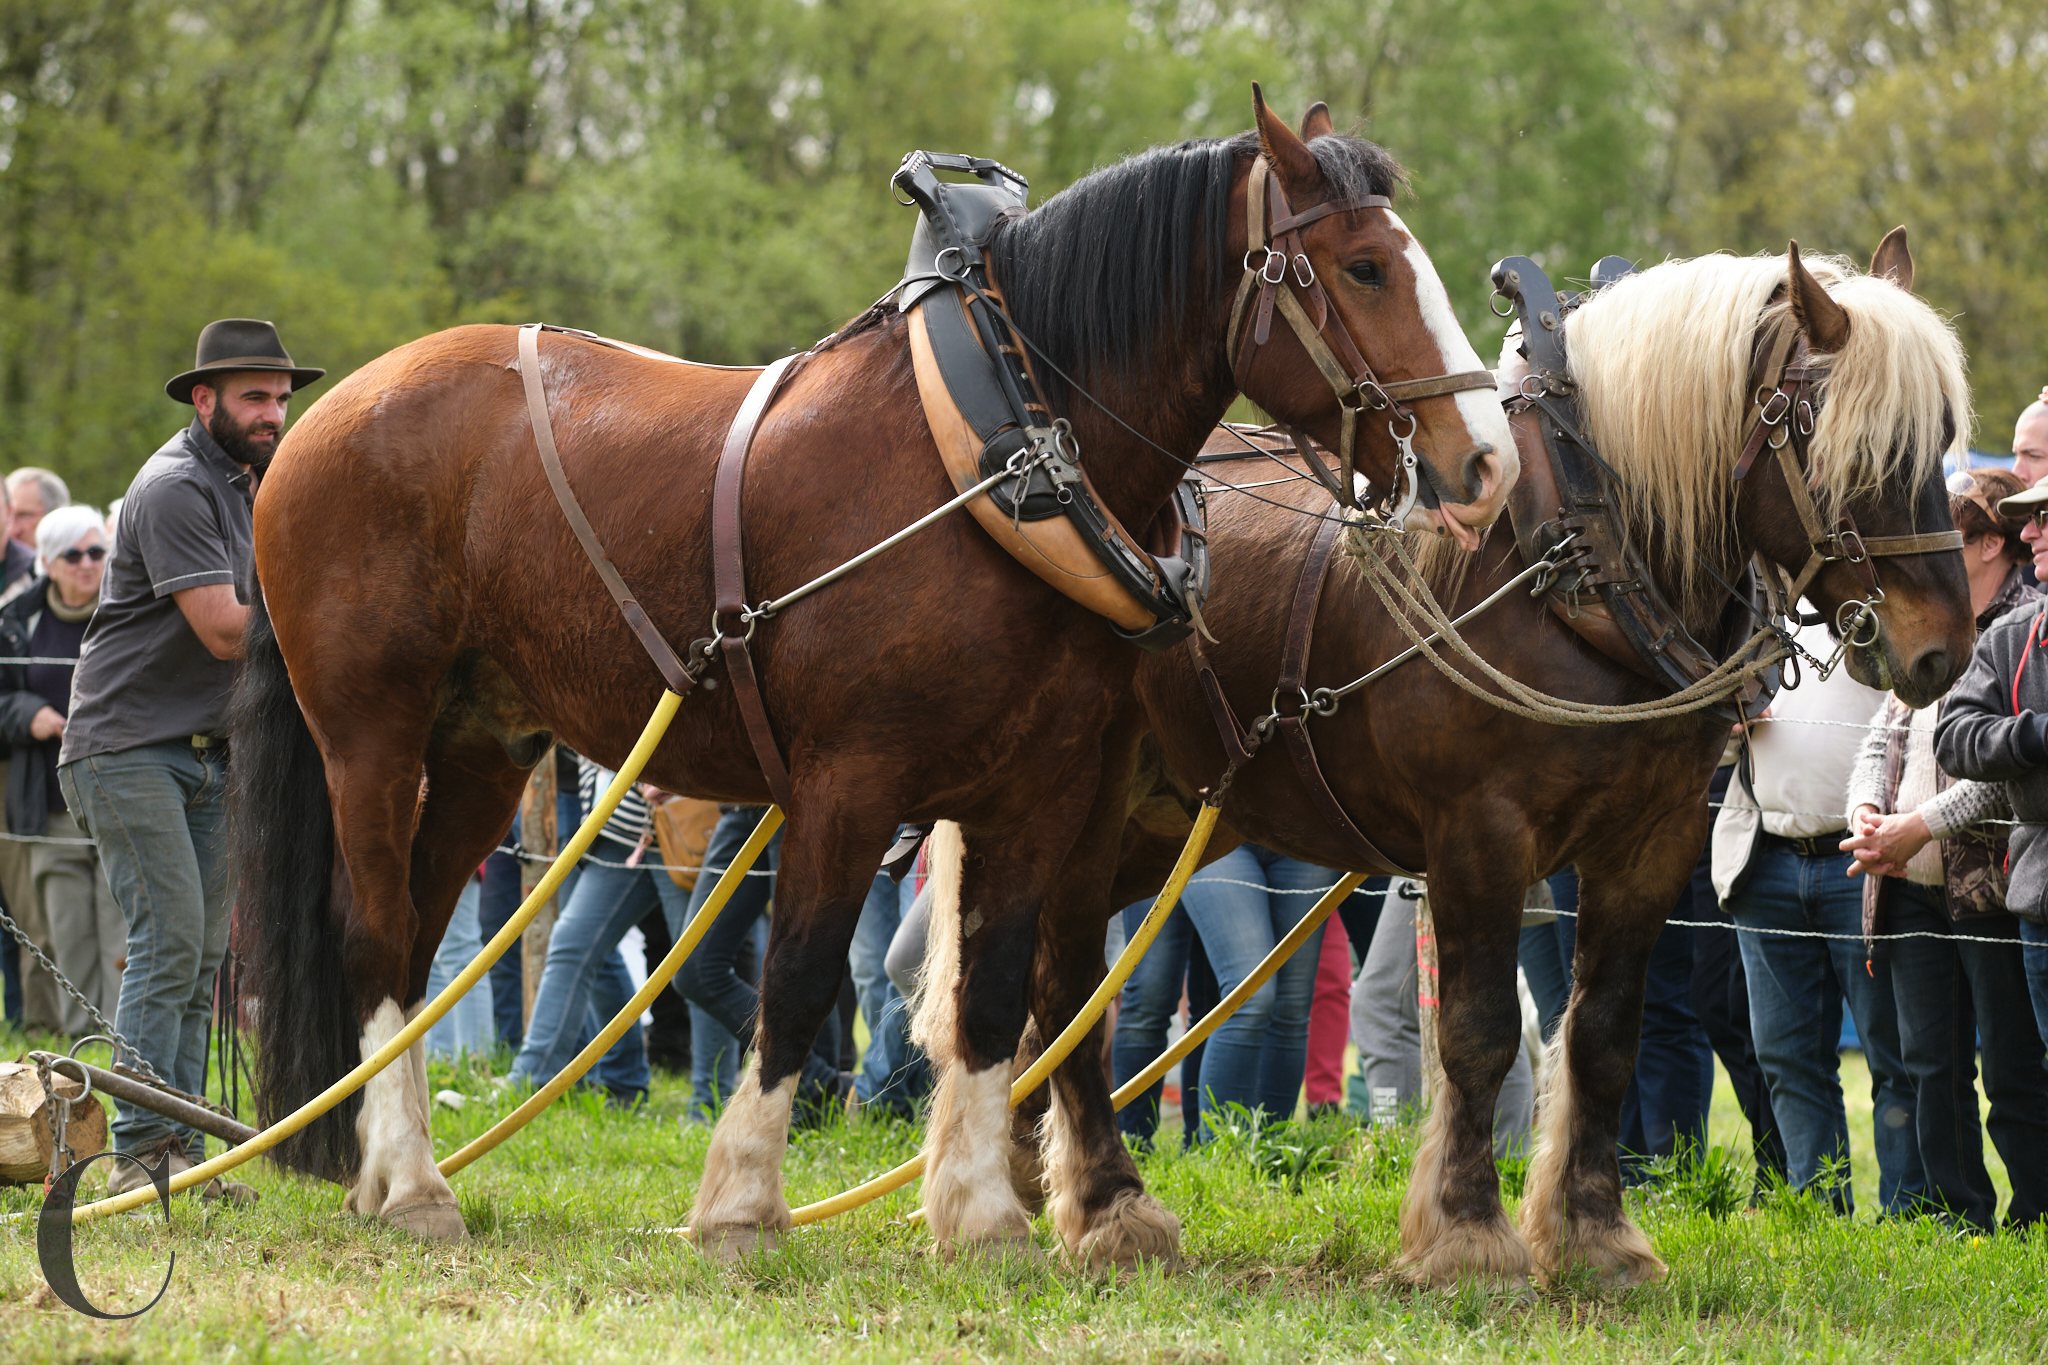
(678, 678)
(578, 845)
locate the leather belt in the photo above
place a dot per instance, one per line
(1811, 846)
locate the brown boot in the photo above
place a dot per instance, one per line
(126, 1175)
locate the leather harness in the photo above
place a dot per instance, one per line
(1285, 277)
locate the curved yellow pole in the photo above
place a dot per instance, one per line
(657, 980)
(657, 726)
(1070, 1037)
(1233, 1002)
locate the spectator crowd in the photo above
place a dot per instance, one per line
(1875, 873)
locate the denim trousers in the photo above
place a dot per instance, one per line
(584, 981)
(1796, 989)
(158, 815)
(1147, 1004)
(1955, 998)
(893, 1074)
(2034, 954)
(710, 978)
(1240, 905)
(469, 1026)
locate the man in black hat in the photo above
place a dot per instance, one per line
(143, 765)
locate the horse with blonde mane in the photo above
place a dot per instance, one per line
(1488, 802)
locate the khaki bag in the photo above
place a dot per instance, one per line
(682, 830)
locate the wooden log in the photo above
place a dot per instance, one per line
(25, 1124)
(539, 840)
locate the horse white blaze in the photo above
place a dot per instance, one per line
(1485, 421)
(398, 1171)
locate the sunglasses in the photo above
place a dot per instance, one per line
(76, 556)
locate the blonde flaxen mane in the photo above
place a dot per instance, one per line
(1662, 360)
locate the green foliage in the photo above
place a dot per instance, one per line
(710, 177)
(1714, 1182)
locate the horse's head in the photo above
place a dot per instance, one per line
(1867, 528)
(1343, 325)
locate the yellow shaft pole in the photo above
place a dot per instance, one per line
(1070, 1037)
(657, 981)
(657, 726)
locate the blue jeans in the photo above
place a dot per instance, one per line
(1796, 989)
(584, 981)
(893, 1073)
(710, 977)
(469, 1027)
(1150, 998)
(2034, 949)
(158, 815)
(1257, 1057)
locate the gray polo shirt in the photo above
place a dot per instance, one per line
(143, 675)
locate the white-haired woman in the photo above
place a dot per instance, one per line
(47, 622)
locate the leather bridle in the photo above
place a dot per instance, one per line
(1284, 277)
(1786, 405)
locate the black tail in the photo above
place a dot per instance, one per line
(291, 902)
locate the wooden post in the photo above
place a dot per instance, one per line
(539, 842)
(1426, 996)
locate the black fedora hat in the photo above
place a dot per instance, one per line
(238, 344)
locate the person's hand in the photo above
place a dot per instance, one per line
(47, 724)
(1742, 726)
(1884, 844)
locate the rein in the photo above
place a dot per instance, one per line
(1285, 277)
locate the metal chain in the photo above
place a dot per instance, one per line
(138, 1062)
(58, 1106)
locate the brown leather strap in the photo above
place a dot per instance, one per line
(1301, 625)
(1228, 728)
(1404, 389)
(673, 672)
(728, 569)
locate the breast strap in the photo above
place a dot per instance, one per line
(1242, 745)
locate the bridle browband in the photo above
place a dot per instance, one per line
(1786, 403)
(1284, 277)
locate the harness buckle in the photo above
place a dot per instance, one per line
(1848, 546)
(1272, 270)
(1304, 272)
(1775, 408)
(1806, 418)
(1371, 395)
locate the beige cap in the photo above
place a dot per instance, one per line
(2023, 504)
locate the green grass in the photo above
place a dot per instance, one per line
(1288, 1237)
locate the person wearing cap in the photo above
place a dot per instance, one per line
(143, 766)
(1994, 728)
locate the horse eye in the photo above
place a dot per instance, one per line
(1367, 273)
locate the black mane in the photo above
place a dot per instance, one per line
(1098, 274)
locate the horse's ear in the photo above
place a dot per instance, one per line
(1316, 122)
(1288, 155)
(1826, 322)
(1892, 260)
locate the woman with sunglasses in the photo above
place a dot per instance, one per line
(47, 622)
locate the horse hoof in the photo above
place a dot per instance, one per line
(1015, 1247)
(1135, 1232)
(432, 1222)
(730, 1245)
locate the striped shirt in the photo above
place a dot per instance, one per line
(629, 823)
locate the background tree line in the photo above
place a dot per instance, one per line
(709, 176)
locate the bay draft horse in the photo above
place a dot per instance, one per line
(432, 626)
(1489, 803)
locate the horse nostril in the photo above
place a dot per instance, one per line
(1931, 672)
(1478, 471)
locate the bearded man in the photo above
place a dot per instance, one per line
(144, 760)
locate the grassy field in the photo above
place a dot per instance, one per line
(573, 1258)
